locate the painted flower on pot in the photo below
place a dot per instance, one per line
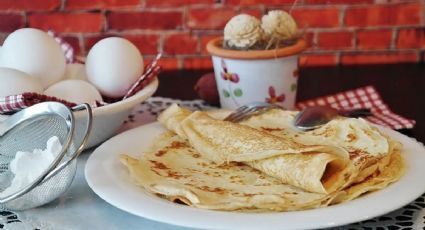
(273, 97)
(233, 77)
(295, 73)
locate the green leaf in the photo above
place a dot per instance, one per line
(226, 93)
(237, 92)
(294, 87)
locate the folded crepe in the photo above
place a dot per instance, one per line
(315, 168)
(390, 170)
(177, 172)
(368, 148)
(172, 169)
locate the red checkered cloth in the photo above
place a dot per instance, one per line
(365, 97)
(151, 71)
(67, 49)
(14, 103)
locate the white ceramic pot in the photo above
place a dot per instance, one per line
(259, 75)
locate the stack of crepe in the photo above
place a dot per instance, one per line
(264, 163)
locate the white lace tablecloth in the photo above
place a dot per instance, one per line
(81, 208)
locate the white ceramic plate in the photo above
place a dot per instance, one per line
(108, 178)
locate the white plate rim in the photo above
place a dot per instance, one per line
(107, 178)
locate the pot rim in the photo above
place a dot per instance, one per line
(214, 47)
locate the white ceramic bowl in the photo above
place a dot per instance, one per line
(108, 119)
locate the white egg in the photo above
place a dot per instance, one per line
(74, 90)
(13, 82)
(113, 65)
(75, 71)
(36, 53)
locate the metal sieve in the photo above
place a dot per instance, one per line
(30, 129)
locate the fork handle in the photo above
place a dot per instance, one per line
(361, 112)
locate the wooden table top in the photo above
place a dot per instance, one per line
(401, 86)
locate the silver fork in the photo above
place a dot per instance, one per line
(251, 109)
(310, 122)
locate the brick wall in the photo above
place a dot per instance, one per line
(340, 31)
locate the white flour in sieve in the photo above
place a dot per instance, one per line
(27, 166)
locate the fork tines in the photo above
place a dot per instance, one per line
(249, 110)
(240, 114)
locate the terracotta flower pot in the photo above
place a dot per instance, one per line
(256, 75)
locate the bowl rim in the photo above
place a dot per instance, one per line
(140, 96)
(214, 47)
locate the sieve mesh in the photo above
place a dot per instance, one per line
(45, 192)
(33, 132)
(27, 136)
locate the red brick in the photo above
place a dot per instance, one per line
(64, 22)
(166, 63)
(335, 40)
(411, 38)
(318, 60)
(381, 58)
(197, 63)
(209, 18)
(180, 44)
(374, 39)
(10, 22)
(258, 2)
(29, 5)
(177, 3)
(337, 1)
(204, 40)
(254, 12)
(307, 18)
(147, 44)
(100, 4)
(145, 20)
(381, 15)
(309, 38)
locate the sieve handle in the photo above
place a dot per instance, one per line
(89, 122)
